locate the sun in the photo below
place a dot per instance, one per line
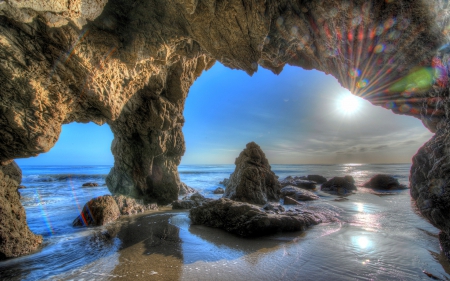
(348, 104)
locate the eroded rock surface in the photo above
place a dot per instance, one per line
(130, 64)
(253, 180)
(130, 206)
(249, 220)
(16, 239)
(98, 211)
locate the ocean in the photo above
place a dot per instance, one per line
(377, 237)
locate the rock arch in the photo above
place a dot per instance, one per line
(131, 63)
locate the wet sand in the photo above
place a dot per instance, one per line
(378, 238)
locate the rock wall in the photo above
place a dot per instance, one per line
(130, 64)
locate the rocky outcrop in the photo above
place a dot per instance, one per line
(16, 239)
(253, 180)
(339, 185)
(385, 182)
(130, 64)
(185, 189)
(429, 180)
(298, 182)
(130, 206)
(90, 184)
(298, 193)
(219, 190)
(98, 211)
(249, 220)
(192, 201)
(224, 182)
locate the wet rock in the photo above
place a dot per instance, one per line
(185, 189)
(350, 179)
(341, 199)
(16, 239)
(90, 184)
(189, 202)
(315, 178)
(298, 182)
(21, 187)
(248, 220)
(219, 190)
(225, 182)
(385, 182)
(298, 193)
(98, 211)
(253, 180)
(290, 201)
(277, 208)
(339, 185)
(444, 240)
(130, 206)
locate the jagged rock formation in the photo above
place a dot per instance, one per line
(16, 239)
(248, 220)
(130, 206)
(189, 202)
(253, 180)
(130, 64)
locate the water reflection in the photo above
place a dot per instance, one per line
(361, 242)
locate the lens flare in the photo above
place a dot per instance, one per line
(348, 104)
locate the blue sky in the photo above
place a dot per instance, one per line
(296, 117)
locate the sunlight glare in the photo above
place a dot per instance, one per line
(348, 104)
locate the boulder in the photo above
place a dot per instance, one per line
(350, 179)
(185, 189)
(131, 206)
(219, 190)
(290, 201)
(316, 178)
(339, 185)
(298, 182)
(253, 180)
(187, 202)
(90, 184)
(248, 220)
(224, 182)
(298, 193)
(385, 182)
(98, 211)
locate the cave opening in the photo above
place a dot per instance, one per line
(297, 117)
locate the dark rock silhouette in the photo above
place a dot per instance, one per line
(90, 184)
(339, 185)
(385, 182)
(219, 190)
(253, 180)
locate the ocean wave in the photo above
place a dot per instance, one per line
(63, 177)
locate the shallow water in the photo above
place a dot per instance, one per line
(377, 238)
